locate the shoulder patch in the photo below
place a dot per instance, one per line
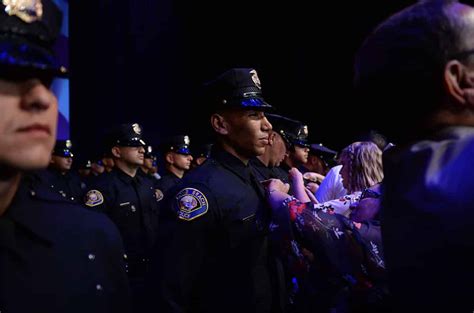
(192, 203)
(94, 198)
(158, 195)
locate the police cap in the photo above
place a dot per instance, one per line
(126, 135)
(28, 30)
(63, 148)
(294, 132)
(237, 87)
(179, 144)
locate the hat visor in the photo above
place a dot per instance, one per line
(321, 148)
(253, 104)
(19, 56)
(132, 142)
(183, 150)
(65, 154)
(301, 143)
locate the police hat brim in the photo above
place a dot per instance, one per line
(182, 150)
(64, 154)
(250, 104)
(301, 143)
(323, 149)
(132, 142)
(19, 56)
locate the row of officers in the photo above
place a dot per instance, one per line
(141, 204)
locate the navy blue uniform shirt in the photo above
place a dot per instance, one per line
(56, 256)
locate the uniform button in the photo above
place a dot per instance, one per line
(133, 208)
(98, 287)
(91, 256)
(125, 256)
(33, 193)
(72, 198)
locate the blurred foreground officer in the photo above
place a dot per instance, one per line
(54, 256)
(129, 200)
(217, 259)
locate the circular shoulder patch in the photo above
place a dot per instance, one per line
(94, 198)
(158, 195)
(192, 203)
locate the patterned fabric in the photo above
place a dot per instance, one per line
(327, 256)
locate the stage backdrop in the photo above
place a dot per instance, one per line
(60, 87)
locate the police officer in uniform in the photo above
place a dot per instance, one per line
(146, 170)
(59, 176)
(217, 260)
(177, 157)
(203, 152)
(296, 135)
(266, 166)
(129, 201)
(55, 256)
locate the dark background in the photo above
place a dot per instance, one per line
(145, 60)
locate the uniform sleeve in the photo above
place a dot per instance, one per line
(193, 230)
(99, 196)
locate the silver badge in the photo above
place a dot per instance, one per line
(137, 129)
(28, 11)
(68, 144)
(187, 141)
(255, 79)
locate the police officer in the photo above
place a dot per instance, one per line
(129, 201)
(147, 170)
(55, 256)
(266, 166)
(203, 152)
(320, 159)
(177, 157)
(296, 136)
(59, 176)
(217, 260)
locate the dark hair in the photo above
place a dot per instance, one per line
(401, 63)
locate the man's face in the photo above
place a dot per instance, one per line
(148, 163)
(28, 117)
(182, 161)
(300, 155)
(132, 155)
(278, 150)
(62, 164)
(248, 132)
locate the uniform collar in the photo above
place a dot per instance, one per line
(125, 177)
(231, 162)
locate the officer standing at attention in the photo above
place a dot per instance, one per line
(55, 256)
(217, 259)
(59, 176)
(129, 201)
(177, 157)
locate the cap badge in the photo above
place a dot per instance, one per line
(28, 11)
(186, 140)
(137, 129)
(68, 144)
(255, 79)
(304, 131)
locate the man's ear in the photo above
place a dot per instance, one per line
(219, 124)
(169, 158)
(116, 152)
(271, 138)
(458, 83)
